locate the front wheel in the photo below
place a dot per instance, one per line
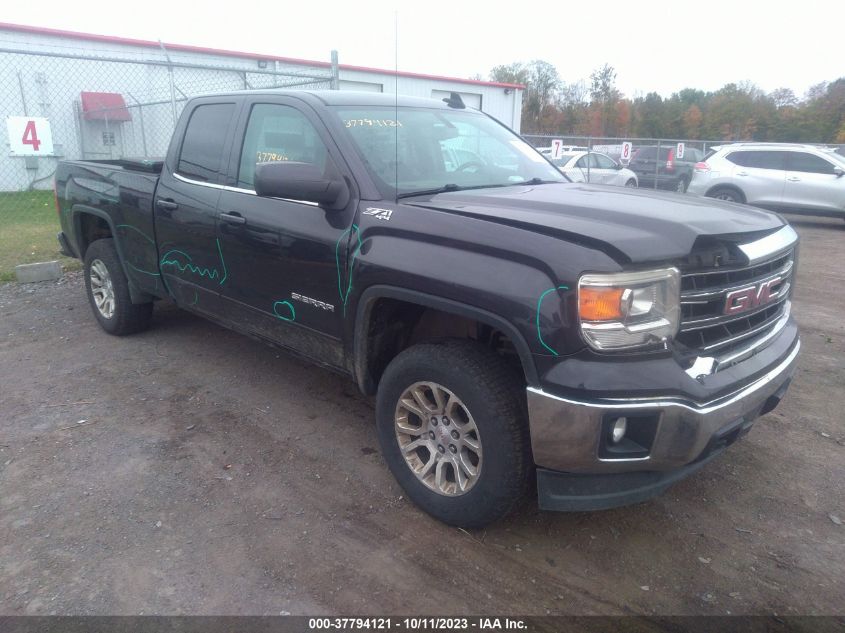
(631, 183)
(108, 291)
(453, 431)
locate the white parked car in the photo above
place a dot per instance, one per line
(566, 149)
(595, 168)
(805, 179)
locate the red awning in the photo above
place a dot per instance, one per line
(104, 106)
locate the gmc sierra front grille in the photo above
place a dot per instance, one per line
(709, 325)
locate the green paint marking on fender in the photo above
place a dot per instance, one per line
(139, 270)
(146, 237)
(139, 231)
(211, 273)
(289, 306)
(537, 319)
(344, 295)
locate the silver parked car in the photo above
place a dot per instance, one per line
(783, 177)
(596, 168)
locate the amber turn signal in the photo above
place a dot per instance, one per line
(600, 304)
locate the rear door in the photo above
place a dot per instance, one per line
(760, 175)
(812, 184)
(285, 257)
(191, 263)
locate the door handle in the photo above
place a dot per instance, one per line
(742, 173)
(233, 218)
(167, 205)
(793, 179)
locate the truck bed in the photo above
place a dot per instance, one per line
(102, 197)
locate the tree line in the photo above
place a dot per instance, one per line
(738, 112)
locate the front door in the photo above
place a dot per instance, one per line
(286, 259)
(812, 184)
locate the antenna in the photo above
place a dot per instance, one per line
(396, 104)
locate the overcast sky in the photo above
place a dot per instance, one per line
(654, 46)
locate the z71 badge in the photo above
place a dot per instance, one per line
(379, 214)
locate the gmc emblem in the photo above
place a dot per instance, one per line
(752, 297)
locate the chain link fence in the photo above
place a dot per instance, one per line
(99, 107)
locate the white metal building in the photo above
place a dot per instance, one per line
(107, 97)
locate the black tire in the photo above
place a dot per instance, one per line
(125, 317)
(682, 185)
(631, 183)
(493, 394)
(728, 194)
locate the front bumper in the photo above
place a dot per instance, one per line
(567, 435)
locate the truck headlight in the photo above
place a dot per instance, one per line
(629, 310)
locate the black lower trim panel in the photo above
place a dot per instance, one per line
(568, 492)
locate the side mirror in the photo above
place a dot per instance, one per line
(300, 181)
(838, 172)
(617, 166)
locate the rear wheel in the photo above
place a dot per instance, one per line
(452, 427)
(728, 194)
(631, 183)
(108, 291)
(682, 185)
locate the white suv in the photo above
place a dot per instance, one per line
(779, 176)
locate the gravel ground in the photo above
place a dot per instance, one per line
(191, 470)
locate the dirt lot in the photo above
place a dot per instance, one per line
(215, 475)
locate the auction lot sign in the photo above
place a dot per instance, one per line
(29, 136)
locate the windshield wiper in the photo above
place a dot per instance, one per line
(446, 189)
(538, 181)
(430, 192)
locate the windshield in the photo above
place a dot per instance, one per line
(421, 149)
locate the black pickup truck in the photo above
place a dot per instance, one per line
(514, 326)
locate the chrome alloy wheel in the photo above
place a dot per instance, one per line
(438, 438)
(102, 289)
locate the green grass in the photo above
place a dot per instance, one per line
(28, 227)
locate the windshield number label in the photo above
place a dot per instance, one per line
(372, 123)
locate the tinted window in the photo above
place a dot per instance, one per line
(277, 133)
(205, 137)
(645, 153)
(582, 162)
(692, 155)
(809, 163)
(758, 160)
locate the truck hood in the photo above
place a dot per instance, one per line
(639, 225)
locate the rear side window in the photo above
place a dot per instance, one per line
(692, 155)
(758, 160)
(205, 139)
(808, 163)
(645, 153)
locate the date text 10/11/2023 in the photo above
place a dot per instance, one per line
(418, 624)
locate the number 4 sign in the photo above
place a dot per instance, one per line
(29, 136)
